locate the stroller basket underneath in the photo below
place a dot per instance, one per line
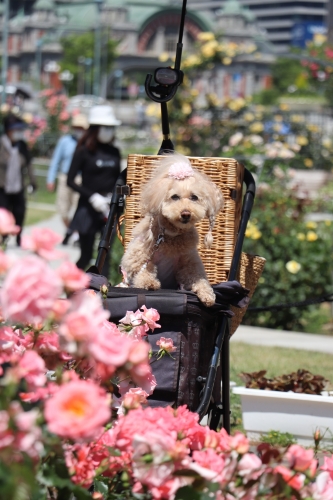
(192, 328)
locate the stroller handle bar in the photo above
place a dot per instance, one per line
(221, 348)
(116, 208)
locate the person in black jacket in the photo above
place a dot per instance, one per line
(15, 161)
(98, 162)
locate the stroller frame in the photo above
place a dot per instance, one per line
(164, 91)
(221, 351)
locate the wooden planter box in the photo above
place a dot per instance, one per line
(299, 414)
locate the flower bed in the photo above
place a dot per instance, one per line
(301, 415)
(73, 415)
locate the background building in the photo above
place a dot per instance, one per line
(287, 22)
(146, 29)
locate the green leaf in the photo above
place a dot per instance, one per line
(101, 487)
(187, 493)
(80, 493)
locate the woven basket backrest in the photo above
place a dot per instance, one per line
(227, 174)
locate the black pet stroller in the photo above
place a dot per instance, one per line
(198, 372)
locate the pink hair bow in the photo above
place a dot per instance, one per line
(180, 170)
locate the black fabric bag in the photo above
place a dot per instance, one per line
(190, 325)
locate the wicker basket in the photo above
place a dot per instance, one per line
(228, 175)
(250, 270)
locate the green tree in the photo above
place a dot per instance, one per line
(285, 73)
(80, 48)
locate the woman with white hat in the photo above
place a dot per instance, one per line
(98, 161)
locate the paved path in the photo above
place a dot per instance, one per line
(279, 338)
(55, 223)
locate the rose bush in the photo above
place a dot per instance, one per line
(205, 125)
(44, 131)
(298, 254)
(74, 421)
(317, 65)
(55, 104)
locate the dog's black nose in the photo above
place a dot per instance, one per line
(185, 215)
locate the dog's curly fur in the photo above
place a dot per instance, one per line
(171, 207)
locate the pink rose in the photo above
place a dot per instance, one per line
(137, 365)
(31, 367)
(64, 115)
(83, 320)
(139, 332)
(108, 346)
(29, 291)
(7, 223)
(59, 309)
(166, 345)
(8, 339)
(26, 419)
(240, 443)
(250, 467)
(139, 352)
(322, 489)
(78, 410)
(80, 463)
(150, 316)
(29, 439)
(133, 399)
(301, 459)
(328, 466)
(132, 319)
(72, 277)
(156, 445)
(42, 241)
(208, 464)
(47, 343)
(143, 377)
(293, 479)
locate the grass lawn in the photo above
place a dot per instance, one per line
(41, 195)
(35, 215)
(277, 361)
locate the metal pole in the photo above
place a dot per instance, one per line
(86, 77)
(39, 62)
(97, 52)
(329, 22)
(5, 50)
(118, 74)
(180, 36)
(80, 76)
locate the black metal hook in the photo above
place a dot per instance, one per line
(168, 80)
(163, 92)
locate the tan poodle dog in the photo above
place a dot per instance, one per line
(163, 251)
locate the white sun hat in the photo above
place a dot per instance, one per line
(103, 115)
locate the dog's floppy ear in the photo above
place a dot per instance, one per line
(153, 194)
(215, 204)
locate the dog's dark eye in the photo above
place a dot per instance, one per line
(194, 197)
(175, 197)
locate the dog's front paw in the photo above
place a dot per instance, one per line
(204, 292)
(208, 299)
(146, 281)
